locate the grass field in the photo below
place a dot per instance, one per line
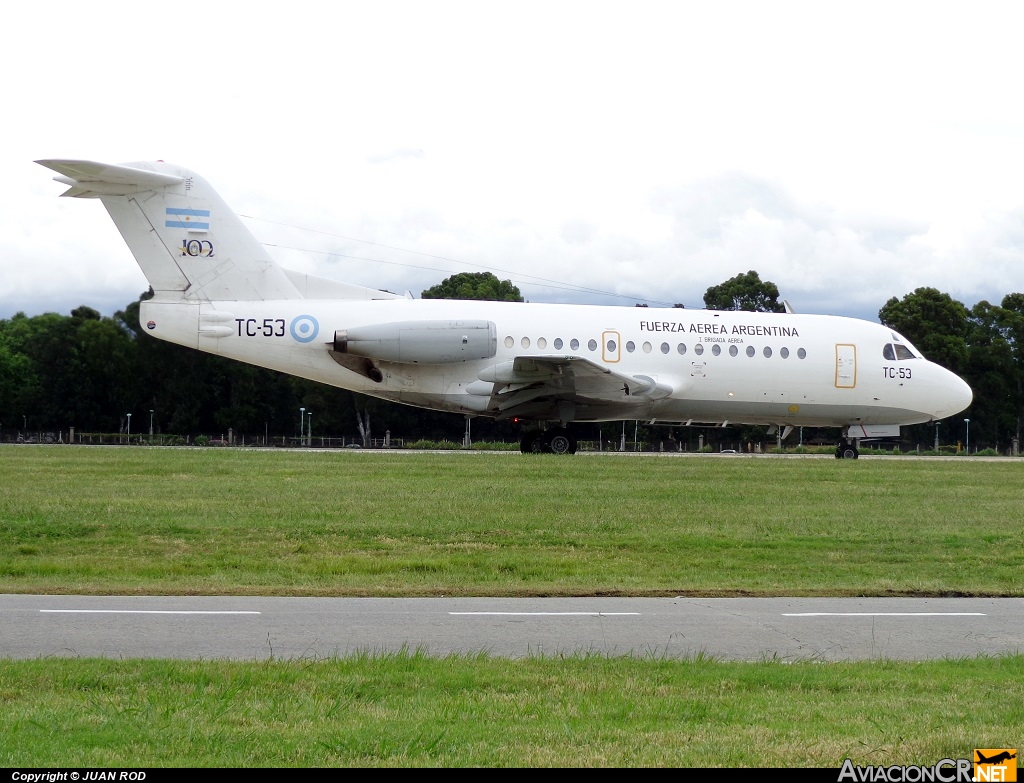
(222, 521)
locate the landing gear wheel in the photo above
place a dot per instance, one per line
(560, 441)
(846, 450)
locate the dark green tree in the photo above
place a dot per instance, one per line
(745, 292)
(474, 285)
(19, 385)
(66, 371)
(1013, 331)
(993, 373)
(102, 365)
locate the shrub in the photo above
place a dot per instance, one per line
(495, 445)
(433, 445)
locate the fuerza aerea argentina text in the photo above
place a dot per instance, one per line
(750, 330)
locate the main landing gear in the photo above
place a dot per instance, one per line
(846, 450)
(554, 441)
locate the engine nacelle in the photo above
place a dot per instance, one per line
(421, 342)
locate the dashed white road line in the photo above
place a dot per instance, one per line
(550, 614)
(135, 611)
(884, 614)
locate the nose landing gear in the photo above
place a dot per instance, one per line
(846, 450)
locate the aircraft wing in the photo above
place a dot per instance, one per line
(533, 386)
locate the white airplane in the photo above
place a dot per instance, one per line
(218, 290)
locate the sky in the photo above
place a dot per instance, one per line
(590, 152)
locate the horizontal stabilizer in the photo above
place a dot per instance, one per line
(188, 242)
(89, 179)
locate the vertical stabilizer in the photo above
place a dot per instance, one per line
(187, 241)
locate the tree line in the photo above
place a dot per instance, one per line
(89, 371)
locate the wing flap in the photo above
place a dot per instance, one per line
(533, 382)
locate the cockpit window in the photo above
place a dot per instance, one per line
(904, 348)
(893, 352)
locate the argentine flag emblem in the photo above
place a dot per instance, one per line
(192, 219)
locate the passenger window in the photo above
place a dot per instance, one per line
(750, 350)
(611, 346)
(665, 348)
(558, 343)
(716, 349)
(592, 345)
(888, 354)
(575, 344)
(509, 341)
(801, 354)
(784, 353)
(767, 352)
(681, 348)
(542, 342)
(525, 342)
(698, 349)
(631, 346)
(733, 350)
(647, 347)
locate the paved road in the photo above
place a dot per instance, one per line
(253, 628)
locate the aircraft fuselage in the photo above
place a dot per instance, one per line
(704, 366)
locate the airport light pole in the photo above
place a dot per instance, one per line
(302, 426)
(151, 423)
(309, 428)
(967, 437)
(936, 437)
(129, 425)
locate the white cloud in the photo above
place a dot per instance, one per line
(848, 153)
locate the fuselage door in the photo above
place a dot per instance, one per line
(846, 366)
(611, 346)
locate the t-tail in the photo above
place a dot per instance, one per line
(190, 245)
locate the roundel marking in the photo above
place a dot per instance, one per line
(304, 328)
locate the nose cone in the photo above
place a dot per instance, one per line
(955, 395)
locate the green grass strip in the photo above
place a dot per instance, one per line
(409, 710)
